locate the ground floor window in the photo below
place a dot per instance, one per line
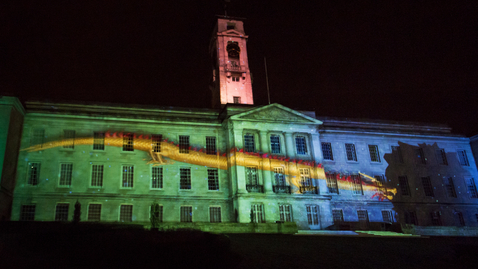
(387, 216)
(126, 213)
(61, 213)
(257, 213)
(338, 215)
(27, 213)
(312, 215)
(436, 218)
(215, 214)
(285, 213)
(186, 214)
(411, 218)
(94, 212)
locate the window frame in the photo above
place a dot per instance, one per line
(427, 186)
(211, 148)
(161, 179)
(30, 215)
(89, 211)
(420, 155)
(285, 213)
(312, 216)
(255, 213)
(156, 140)
(191, 213)
(332, 183)
(28, 174)
(60, 213)
(450, 188)
(353, 153)
(377, 153)
(128, 142)
(211, 220)
(276, 145)
(466, 161)
(181, 169)
(440, 155)
(406, 187)
(388, 213)
(254, 141)
(92, 174)
(330, 149)
(37, 135)
(122, 181)
(61, 174)
(336, 220)
(184, 147)
(120, 212)
(215, 180)
(97, 137)
(398, 156)
(306, 145)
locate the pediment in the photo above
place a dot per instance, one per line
(233, 32)
(276, 113)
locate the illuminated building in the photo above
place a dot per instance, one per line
(225, 168)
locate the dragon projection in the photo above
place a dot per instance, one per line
(170, 150)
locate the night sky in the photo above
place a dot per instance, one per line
(406, 61)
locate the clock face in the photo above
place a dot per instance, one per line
(233, 49)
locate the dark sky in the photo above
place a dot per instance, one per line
(406, 60)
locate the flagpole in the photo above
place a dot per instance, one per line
(267, 81)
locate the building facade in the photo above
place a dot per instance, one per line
(238, 165)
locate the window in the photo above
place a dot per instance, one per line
(156, 142)
(387, 216)
(350, 151)
(156, 177)
(470, 183)
(461, 219)
(230, 26)
(338, 215)
(441, 157)
(421, 156)
(128, 176)
(327, 151)
(404, 188)
(436, 218)
(249, 145)
(374, 153)
(251, 176)
(37, 137)
(27, 213)
(94, 212)
(427, 186)
(312, 215)
(236, 79)
(33, 173)
(214, 214)
(128, 142)
(237, 99)
(279, 176)
(285, 213)
(184, 144)
(362, 216)
(65, 174)
(157, 212)
(186, 214)
(69, 136)
(411, 218)
(275, 144)
(185, 178)
(126, 213)
(98, 141)
(332, 183)
(61, 213)
(97, 175)
(301, 145)
(211, 145)
(450, 187)
(305, 177)
(397, 154)
(463, 158)
(356, 184)
(257, 213)
(212, 180)
(381, 180)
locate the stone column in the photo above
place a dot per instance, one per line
(266, 165)
(289, 145)
(239, 167)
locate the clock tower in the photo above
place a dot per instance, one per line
(231, 78)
